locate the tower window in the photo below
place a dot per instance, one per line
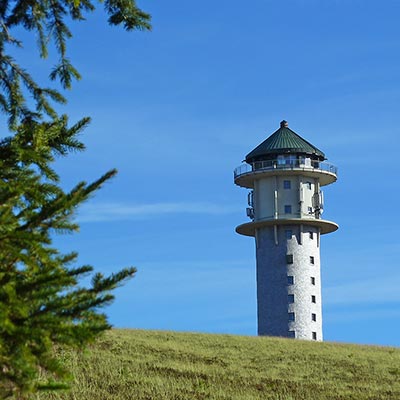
(312, 260)
(308, 185)
(313, 299)
(313, 280)
(309, 210)
(287, 184)
(288, 209)
(291, 316)
(311, 235)
(313, 317)
(290, 280)
(314, 335)
(289, 258)
(292, 334)
(288, 233)
(290, 298)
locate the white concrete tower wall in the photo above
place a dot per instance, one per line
(272, 194)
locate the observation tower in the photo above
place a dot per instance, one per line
(284, 175)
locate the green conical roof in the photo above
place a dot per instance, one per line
(283, 141)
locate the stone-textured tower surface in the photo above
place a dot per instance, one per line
(285, 174)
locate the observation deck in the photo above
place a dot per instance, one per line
(246, 174)
(249, 228)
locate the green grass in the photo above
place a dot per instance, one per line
(134, 364)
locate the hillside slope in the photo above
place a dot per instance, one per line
(134, 364)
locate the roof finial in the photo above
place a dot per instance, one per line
(284, 124)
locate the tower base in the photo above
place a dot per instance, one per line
(289, 281)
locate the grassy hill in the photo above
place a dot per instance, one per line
(133, 364)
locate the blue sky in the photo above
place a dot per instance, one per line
(177, 109)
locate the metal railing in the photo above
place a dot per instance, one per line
(280, 216)
(267, 165)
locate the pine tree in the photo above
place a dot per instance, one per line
(43, 305)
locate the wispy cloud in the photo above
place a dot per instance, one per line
(380, 290)
(362, 315)
(118, 211)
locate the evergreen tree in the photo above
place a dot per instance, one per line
(46, 19)
(43, 305)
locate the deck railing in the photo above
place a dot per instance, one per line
(306, 165)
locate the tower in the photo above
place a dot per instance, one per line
(285, 174)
